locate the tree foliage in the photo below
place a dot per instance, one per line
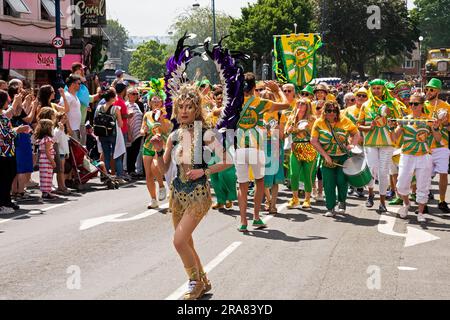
(149, 60)
(199, 21)
(253, 32)
(118, 38)
(350, 40)
(433, 20)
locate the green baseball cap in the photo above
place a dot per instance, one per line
(435, 84)
(205, 82)
(390, 85)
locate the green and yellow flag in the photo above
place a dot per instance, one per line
(295, 58)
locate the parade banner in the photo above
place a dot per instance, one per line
(92, 13)
(295, 58)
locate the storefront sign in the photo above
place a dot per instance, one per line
(37, 61)
(92, 13)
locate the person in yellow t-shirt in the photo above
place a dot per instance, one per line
(415, 158)
(326, 130)
(440, 153)
(250, 146)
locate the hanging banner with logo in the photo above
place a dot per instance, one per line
(295, 58)
(92, 13)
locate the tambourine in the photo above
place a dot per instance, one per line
(383, 110)
(442, 114)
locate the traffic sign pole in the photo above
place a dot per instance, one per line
(59, 80)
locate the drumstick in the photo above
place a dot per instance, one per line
(339, 165)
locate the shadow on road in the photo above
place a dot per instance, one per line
(279, 235)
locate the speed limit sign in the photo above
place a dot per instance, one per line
(58, 42)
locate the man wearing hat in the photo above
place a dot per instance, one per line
(439, 151)
(378, 144)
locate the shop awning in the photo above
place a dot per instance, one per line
(15, 75)
(18, 6)
(49, 6)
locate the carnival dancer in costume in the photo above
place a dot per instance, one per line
(378, 144)
(303, 157)
(352, 113)
(330, 136)
(439, 151)
(415, 158)
(154, 123)
(190, 195)
(249, 152)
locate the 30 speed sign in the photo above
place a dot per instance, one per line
(58, 42)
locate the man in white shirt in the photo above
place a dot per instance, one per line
(74, 106)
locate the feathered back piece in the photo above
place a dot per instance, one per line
(175, 71)
(231, 76)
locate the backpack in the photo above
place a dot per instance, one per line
(105, 122)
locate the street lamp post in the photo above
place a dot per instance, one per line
(295, 28)
(420, 61)
(213, 6)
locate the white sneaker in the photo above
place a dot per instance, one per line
(153, 205)
(421, 218)
(403, 212)
(330, 213)
(6, 210)
(162, 194)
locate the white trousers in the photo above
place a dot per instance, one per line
(246, 158)
(421, 167)
(379, 161)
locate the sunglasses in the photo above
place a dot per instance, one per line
(305, 94)
(259, 90)
(415, 104)
(287, 91)
(352, 100)
(332, 111)
(429, 90)
(361, 96)
(405, 95)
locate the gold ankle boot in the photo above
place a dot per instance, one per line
(196, 286)
(206, 282)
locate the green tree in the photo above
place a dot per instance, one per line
(118, 39)
(199, 22)
(253, 32)
(433, 20)
(149, 60)
(348, 38)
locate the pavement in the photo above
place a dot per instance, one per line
(105, 244)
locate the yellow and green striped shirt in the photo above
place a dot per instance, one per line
(342, 130)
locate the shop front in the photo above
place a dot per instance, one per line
(39, 68)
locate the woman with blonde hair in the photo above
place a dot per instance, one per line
(303, 155)
(330, 136)
(190, 194)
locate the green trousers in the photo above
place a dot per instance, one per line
(224, 184)
(334, 178)
(302, 171)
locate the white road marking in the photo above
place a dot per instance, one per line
(177, 294)
(36, 212)
(413, 236)
(90, 223)
(406, 268)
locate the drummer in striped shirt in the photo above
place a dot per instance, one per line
(415, 157)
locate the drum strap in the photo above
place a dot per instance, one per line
(341, 146)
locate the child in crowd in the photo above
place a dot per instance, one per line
(61, 137)
(44, 138)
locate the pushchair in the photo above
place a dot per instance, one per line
(82, 168)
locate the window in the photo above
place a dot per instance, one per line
(408, 64)
(48, 10)
(14, 8)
